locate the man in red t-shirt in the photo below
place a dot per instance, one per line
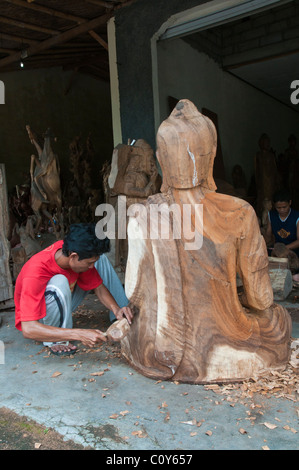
(53, 282)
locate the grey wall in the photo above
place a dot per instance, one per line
(135, 26)
(244, 113)
(40, 98)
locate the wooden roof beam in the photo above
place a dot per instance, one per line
(113, 4)
(6, 51)
(59, 52)
(59, 14)
(32, 27)
(19, 39)
(102, 3)
(46, 10)
(99, 39)
(63, 37)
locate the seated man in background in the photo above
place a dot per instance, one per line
(53, 283)
(283, 224)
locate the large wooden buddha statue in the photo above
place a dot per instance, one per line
(190, 323)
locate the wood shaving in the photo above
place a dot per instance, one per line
(278, 383)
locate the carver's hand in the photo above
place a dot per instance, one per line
(91, 338)
(124, 312)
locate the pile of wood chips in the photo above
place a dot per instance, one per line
(278, 383)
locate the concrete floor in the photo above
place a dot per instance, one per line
(119, 409)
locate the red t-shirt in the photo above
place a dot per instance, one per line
(31, 283)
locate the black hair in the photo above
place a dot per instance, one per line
(82, 240)
(282, 195)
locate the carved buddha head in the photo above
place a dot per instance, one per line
(186, 148)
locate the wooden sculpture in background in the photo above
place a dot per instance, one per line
(190, 324)
(133, 174)
(80, 196)
(266, 173)
(80, 160)
(285, 160)
(292, 156)
(6, 286)
(264, 219)
(45, 183)
(239, 181)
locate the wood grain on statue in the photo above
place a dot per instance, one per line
(191, 325)
(118, 330)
